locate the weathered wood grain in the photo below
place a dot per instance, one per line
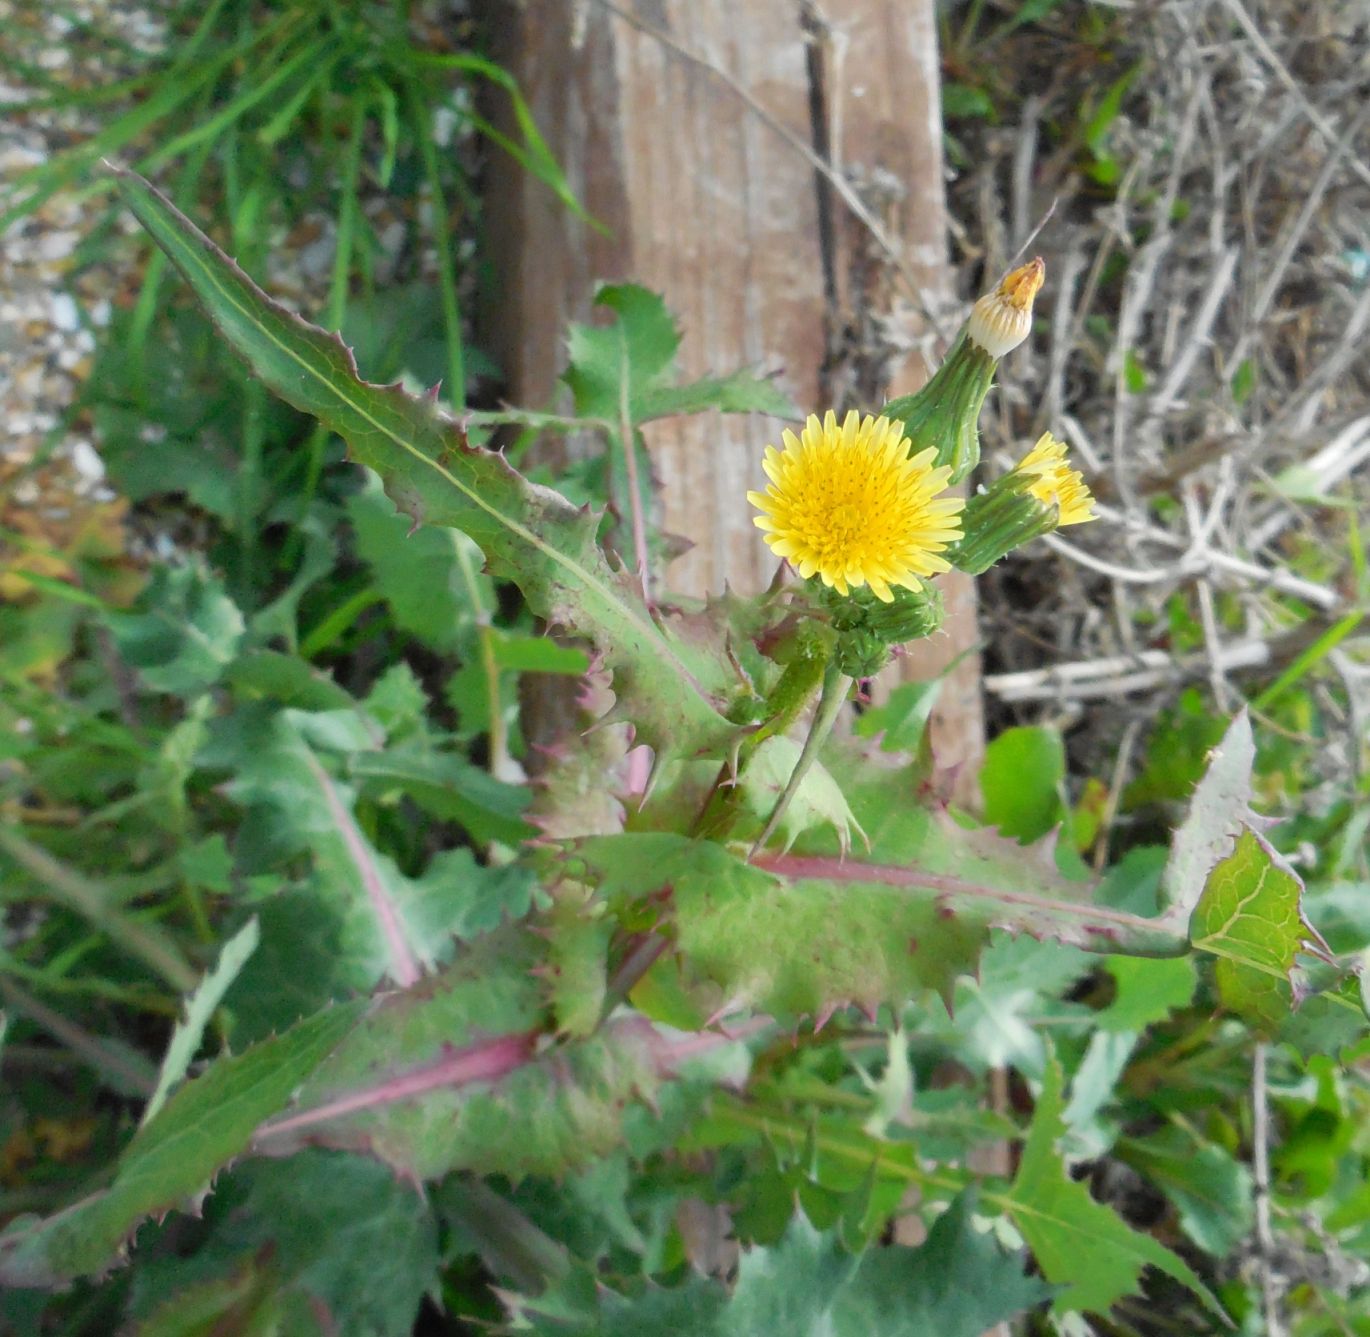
(676, 123)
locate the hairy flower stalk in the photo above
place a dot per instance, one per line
(1039, 496)
(944, 415)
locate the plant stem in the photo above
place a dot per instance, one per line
(485, 637)
(628, 436)
(836, 685)
(790, 696)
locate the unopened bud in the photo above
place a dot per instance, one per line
(1000, 320)
(998, 520)
(866, 627)
(1039, 496)
(945, 413)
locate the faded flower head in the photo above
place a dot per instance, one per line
(1000, 320)
(848, 504)
(1055, 483)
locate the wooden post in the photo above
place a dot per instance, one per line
(689, 128)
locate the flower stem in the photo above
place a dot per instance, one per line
(836, 685)
(785, 704)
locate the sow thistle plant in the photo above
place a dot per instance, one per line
(863, 511)
(610, 1005)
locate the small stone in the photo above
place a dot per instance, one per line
(86, 462)
(65, 314)
(56, 245)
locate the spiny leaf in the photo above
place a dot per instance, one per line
(199, 1008)
(1218, 812)
(631, 365)
(310, 1220)
(1078, 1243)
(279, 773)
(1250, 916)
(529, 534)
(577, 931)
(173, 1158)
(957, 1284)
(803, 934)
(452, 1075)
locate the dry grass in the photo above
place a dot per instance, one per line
(1202, 348)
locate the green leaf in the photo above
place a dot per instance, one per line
(1021, 782)
(269, 675)
(966, 102)
(299, 968)
(247, 1302)
(1078, 1243)
(1096, 129)
(578, 932)
(416, 569)
(315, 1216)
(1211, 1190)
(818, 801)
(1243, 381)
(306, 810)
(997, 1019)
(806, 1284)
(1135, 374)
(537, 654)
(1147, 991)
(448, 786)
(1250, 916)
(199, 1008)
(451, 1075)
(958, 1283)
(172, 1159)
(188, 635)
(630, 366)
(903, 719)
(749, 938)
(397, 701)
(739, 393)
(802, 934)
(616, 365)
(1218, 811)
(529, 534)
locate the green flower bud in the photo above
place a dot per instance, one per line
(1000, 519)
(911, 615)
(862, 654)
(866, 626)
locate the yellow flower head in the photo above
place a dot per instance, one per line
(1056, 483)
(848, 504)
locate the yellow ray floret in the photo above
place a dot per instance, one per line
(1056, 483)
(849, 505)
